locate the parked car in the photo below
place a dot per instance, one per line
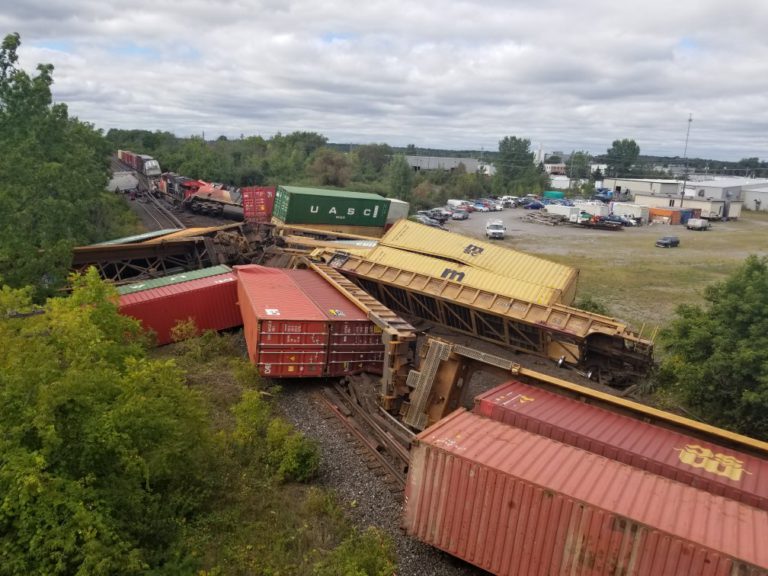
(460, 215)
(668, 242)
(495, 229)
(534, 205)
(623, 220)
(481, 208)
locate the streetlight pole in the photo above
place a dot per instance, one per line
(685, 159)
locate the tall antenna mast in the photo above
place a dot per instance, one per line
(685, 159)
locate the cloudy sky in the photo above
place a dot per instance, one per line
(446, 74)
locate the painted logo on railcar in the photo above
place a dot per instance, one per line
(713, 462)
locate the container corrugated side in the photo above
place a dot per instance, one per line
(210, 302)
(285, 333)
(659, 450)
(258, 202)
(173, 279)
(466, 275)
(296, 205)
(406, 235)
(354, 343)
(516, 503)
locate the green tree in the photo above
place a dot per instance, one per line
(578, 165)
(330, 168)
(400, 178)
(515, 159)
(373, 160)
(105, 454)
(621, 156)
(716, 359)
(53, 177)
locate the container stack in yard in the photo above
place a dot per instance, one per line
(665, 452)
(208, 297)
(332, 210)
(512, 502)
(296, 325)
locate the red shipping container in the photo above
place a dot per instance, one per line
(665, 452)
(258, 202)
(354, 343)
(285, 332)
(515, 503)
(210, 302)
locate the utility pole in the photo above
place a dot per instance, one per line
(685, 159)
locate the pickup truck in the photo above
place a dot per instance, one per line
(495, 229)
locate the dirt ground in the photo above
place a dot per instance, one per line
(624, 270)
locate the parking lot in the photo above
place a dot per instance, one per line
(624, 270)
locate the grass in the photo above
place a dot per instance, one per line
(643, 284)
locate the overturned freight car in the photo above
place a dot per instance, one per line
(513, 503)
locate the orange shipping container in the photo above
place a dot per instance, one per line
(515, 503)
(668, 215)
(285, 333)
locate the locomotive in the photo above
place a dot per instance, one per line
(141, 163)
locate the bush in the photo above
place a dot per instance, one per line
(369, 553)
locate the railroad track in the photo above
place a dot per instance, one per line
(157, 213)
(384, 443)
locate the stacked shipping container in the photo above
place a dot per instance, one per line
(512, 502)
(207, 297)
(297, 325)
(665, 452)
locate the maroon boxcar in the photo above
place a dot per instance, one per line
(659, 450)
(285, 332)
(258, 202)
(516, 503)
(210, 302)
(354, 342)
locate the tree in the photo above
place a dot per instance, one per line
(621, 156)
(515, 170)
(716, 359)
(515, 159)
(331, 168)
(400, 178)
(373, 159)
(53, 177)
(553, 160)
(106, 455)
(578, 165)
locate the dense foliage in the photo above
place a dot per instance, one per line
(717, 363)
(115, 463)
(53, 175)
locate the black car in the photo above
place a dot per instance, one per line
(668, 242)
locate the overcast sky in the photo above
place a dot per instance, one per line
(443, 74)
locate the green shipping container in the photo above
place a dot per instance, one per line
(294, 205)
(174, 279)
(554, 194)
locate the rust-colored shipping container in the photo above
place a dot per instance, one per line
(659, 450)
(354, 342)
(210, 302)
(258, 202)
(666, 215)
(285, 332)
(516, 503)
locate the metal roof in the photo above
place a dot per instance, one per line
(487, 256)
(136, 238)
(174, 279)
(326, 192)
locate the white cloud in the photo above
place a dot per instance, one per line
(452, 74)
